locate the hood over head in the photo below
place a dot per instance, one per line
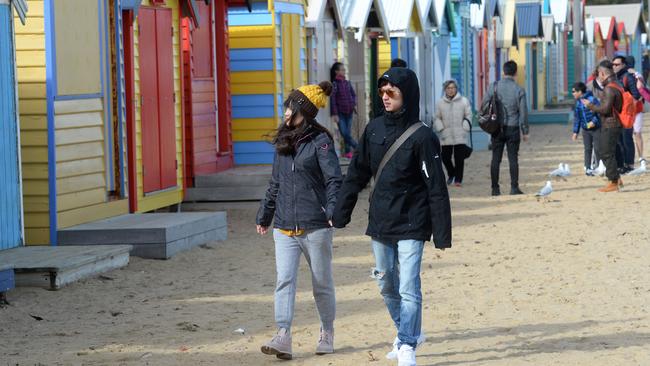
(407, 82)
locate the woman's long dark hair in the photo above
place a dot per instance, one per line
(287, 137)
(333, 70)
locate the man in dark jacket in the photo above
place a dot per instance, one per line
(625, 147)
(512, 98)
(610, 102)
(409, 203)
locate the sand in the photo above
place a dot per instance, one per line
(564, 282)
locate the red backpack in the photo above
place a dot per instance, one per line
(628, 111)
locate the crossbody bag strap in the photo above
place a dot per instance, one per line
(392, 150)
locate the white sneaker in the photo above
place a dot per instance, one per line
(406, 356)
(392, 355)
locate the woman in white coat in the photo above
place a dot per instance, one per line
(452, 124)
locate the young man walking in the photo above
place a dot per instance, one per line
(514, 112)
(408, 205)
(610, 103)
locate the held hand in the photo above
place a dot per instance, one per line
(574, 137)
(262, 230)
(586, 102)
(525, 137)
(335, 119)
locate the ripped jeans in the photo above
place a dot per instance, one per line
(397, 273)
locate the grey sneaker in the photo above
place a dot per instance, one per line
(279, 345)
(325, 343)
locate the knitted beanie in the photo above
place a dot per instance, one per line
(311, 98)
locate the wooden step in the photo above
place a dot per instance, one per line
(54, 267)
(152, 235)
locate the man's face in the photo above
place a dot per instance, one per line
(392, 97)
(602, 75)
(618, 65)
(577, 94)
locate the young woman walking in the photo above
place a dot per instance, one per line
(342, 106)
(300, 202)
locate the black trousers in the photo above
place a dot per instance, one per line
(509, 138)
(457, 167)
(609, 137)
(591, 140)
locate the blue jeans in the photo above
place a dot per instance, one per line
(398, 275)
(316, 246)
(345, 127)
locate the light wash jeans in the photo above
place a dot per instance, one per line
(398, 274)
(316, 246)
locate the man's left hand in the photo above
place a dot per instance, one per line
(525, 137)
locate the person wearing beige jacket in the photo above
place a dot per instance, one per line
(452, 125)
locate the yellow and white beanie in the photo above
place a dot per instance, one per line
(311, 98)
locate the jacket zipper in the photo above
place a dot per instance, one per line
(293, 182)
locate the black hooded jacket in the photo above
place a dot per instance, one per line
(410, 199)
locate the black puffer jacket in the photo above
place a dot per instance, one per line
(410, 199)
(303, 189)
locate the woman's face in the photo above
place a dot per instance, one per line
(297, 120)
(340, 71)
(451, 90)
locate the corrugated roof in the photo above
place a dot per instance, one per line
(607, 26)
(589, 30)
(630, 14)
(548, 24)
(529, 20)
(399, 14)
(560, 10)
(355, 13)
(426, 13)
(316, 11)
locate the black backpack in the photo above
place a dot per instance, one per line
(490, 117)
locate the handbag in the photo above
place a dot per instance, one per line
(469, 149)
(490, 118)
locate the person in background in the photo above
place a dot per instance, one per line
(637, 129)
(398, 62)
(300, 202)
(589, 122)
(646, 65)
(452, 125)
(625, 150)
(342, 106)
(610, 105)
(514, 127)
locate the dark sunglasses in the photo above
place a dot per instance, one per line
(390, 92)
(618, 64)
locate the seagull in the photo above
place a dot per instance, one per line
(545, 191)
(600, 170)
(640, 170)
(562, 171)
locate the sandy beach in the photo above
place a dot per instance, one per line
(563, 282)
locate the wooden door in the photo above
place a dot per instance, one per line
(157, 99)
(10, 200)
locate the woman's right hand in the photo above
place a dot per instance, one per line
(262, 230)
(335, 119)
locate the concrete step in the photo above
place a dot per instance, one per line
(55, 267)
(153, 235)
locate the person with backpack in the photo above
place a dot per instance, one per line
(453, 125)
(511, 116)
(625, 150)
(587, 121)
(300, 203)
(409, 203)
(343, 103)
(610, 108)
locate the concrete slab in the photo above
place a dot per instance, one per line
(55, 267)
(155, 235)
